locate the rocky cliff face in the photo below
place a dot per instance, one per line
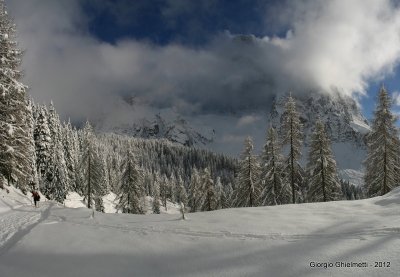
(341, 115)
(177, 130)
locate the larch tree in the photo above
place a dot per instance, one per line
(248, 186)
(274, 190)
(382, 162)
(323, 180)
(292, 138)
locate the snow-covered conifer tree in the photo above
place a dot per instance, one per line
(382, 162)
(180, 192)
(274, 190)
(209, 196)
(31, 150)
(292, 137)
(248, 188)
(323, 181)
(55, 182)
(132, 189)
(195, 191)
(156, 196)
(220, 194)
(56, 185)
(172, 184)
(229, 195)
(70, 155)
(90, 165)
(15, 157)
(164, 187)
(42, 143)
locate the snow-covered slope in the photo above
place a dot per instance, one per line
(290, 240)
(110, 202)
(344, 123)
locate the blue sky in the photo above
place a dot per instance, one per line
(391, 83)
(163, 22)
(217, 63)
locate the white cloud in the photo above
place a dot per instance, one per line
(247, 120)
(329, 44)
(396, 97)
(345, 43)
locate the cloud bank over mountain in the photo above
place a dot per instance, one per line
(336, 45)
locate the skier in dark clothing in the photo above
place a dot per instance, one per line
(36, 197)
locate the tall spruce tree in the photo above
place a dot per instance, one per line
(292, 137)
(195, 193)
(248, 186)
(181, 195)
(322, 174)
(34, 180)
(91, 170)
(164, 188)
(274, 190)
(132, 189)
(15, 155)
(70, 154)
(42, 143)
(382, 162)
(209, 196)
(156, 196)
(56, 187)
(55, 182)
(220, 194)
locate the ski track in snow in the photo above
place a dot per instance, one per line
(357, 235)
(18, 222)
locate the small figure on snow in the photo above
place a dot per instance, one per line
(36, 197)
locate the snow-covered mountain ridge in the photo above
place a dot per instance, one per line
(177, 130)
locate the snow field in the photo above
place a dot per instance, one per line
(264, 241)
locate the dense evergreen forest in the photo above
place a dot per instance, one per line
(40, 152)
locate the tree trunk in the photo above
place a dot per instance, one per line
(323, 176)
(385, 189)
(291, 161)
(250, 184)
(89, 188)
